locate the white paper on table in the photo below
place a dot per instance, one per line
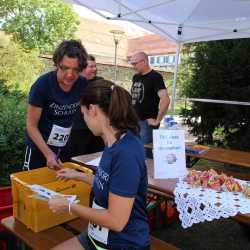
(169, 153)
(95, 162)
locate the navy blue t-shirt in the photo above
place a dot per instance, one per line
(123, 172)
(59, 107)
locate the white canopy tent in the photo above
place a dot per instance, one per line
(182, 21)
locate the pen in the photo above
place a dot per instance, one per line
(58, 154)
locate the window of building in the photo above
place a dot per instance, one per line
(162, 60)
(151, 60)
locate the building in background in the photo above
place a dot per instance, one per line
(99, 41)
(161, 51)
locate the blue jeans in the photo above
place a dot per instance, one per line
(146, 132)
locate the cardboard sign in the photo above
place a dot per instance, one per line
(169, 153)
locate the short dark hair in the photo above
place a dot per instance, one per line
(73, 49)
(91, 58)
(115, 102)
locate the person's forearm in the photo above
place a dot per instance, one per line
(163, 107)
(87, 178)
(37, 138)
(100, 217)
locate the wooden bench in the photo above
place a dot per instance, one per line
(243, 218)
(49, 238)
(156, 244)
(44, 240)
(221, 155)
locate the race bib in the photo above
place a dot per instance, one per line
(97, 232)
(58, 136)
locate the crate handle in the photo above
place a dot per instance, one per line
(19, 181)
(78, 167)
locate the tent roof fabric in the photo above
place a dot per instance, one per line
(182, 21)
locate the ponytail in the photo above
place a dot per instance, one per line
(115, 102)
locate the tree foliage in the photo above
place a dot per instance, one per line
(219, 70)
(38, 24)
(12, 131)
(18, 67)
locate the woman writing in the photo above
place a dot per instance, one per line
(118, 217)
(53, 103)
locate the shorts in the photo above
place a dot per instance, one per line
(86, 242)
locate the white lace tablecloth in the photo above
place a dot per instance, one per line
(197, 204)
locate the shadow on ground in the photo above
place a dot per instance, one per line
(223, 234)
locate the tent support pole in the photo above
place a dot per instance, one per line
(175, 79)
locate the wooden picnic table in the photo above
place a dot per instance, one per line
(162, 187)
(221, 155)
(51, 237)
(166, 186)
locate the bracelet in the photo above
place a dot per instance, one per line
(70, 208)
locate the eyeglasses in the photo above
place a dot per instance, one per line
(65, 69)
(135, 63)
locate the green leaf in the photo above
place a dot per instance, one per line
(39, 24)
(218, 70)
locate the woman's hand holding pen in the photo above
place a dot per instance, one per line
(53, 161)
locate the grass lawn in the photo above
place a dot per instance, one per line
(223, 234)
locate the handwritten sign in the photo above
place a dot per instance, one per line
(169, 153)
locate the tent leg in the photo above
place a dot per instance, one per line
(175, 79)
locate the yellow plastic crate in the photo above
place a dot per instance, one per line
(34, 212)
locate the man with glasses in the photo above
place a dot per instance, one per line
(149, 96)
(53, 102)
